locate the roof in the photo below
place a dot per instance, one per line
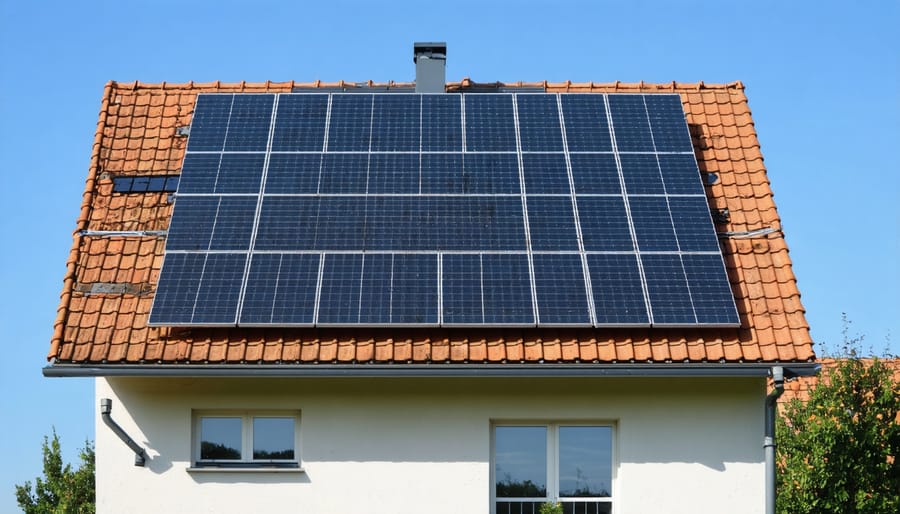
(110, 278)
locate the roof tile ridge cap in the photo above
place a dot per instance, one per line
(81, 224)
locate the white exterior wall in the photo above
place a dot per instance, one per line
(407, 446)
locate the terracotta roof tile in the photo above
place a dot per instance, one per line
(136, 134)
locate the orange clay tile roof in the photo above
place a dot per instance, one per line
(799, 388)
(136, 134)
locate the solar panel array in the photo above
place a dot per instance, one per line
(443, 209)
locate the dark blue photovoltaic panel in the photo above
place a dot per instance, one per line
(209, 123)
(287, 223)
(293, 173)
(551, 222)
(199, 172)
(240, 173)
(545, 173)
(670, 299)
(587, 128)
(344, 173)
(506, 285)
(376, 192)
(414, 289)
(539, 128)
(212, 223)
(396, 123)
(595, 174)
(560, 290)
(629, 123)
(300, 123)
(376, 289)
(710, 290)
(617, 289)
(234, 223)
(176, 291)
(670, 130)
(341, 223)
(641, 174)
(490, 126)
(339, 296)
(490, 173)
(441, 123)
(604, 224)
(693, 225)
(483, 173)
(680, 174)
(220, 289)
(281, 288)
(393, 173)
(222, 173)
(652, 224)
(442, 173)
(350, 125)
(461, 285)
(248, 126)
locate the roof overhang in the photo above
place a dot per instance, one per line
(760, 369)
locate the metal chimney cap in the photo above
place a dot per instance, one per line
(433, 49)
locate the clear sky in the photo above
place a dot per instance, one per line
(821, 77)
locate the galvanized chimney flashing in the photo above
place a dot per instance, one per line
(431, 66)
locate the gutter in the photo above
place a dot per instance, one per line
(672, 370)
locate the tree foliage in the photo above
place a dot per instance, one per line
(62, 490)
(838, 451)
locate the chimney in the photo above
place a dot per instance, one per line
(431, 67)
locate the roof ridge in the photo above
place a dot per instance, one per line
(464, 83)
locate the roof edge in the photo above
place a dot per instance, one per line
(82, 223)
(791, 370)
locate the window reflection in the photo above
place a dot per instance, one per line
(585, 461)
(220, 438)
(521, 462)
(273, 438)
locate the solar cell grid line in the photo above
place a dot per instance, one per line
(670, 297)
(350, 124)
(491, 123)
(629, 124)
(589, 291)
(396, 122)
(586, 122)
(711, 294)
(524, 201)
(462, 289)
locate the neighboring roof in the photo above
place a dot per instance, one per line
(110, 279)
(801, 387)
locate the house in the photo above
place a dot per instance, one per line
(427, 417)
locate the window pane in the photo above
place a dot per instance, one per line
(585, 461)
(220, 438)
(520, 462)
(273, 438)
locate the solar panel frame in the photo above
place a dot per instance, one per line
(355, 210)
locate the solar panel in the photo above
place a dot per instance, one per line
(484, 209)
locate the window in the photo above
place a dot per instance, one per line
(571, 463)
(232, 439)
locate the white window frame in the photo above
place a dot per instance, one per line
(552, 449)
(246, 462)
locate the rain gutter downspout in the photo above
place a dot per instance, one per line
(140, 456)
(769, 441)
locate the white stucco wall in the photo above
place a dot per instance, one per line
(408, 446)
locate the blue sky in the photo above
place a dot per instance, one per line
(821, 77)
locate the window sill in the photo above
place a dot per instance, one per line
(260, 469)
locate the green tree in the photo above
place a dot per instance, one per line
(838, 451)
(62, 490)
